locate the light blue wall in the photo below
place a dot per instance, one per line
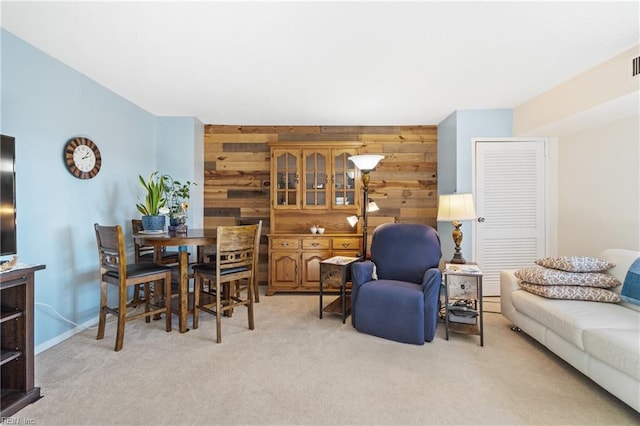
(454, 161)
(45, 103)
(447, 148)
(489, 123)
(180, 157)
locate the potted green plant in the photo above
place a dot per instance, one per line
(177, 195)
(153, 207)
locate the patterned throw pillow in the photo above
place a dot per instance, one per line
(571, 292)
(544, 276)
(575, 263)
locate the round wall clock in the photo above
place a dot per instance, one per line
(82, 158)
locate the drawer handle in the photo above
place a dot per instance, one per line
(345, 244)
(285, 244)
(315, 244)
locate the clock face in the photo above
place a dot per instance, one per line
(82, 158)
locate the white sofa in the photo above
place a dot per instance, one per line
(601, 340)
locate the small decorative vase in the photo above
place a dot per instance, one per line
(182, 225)
(173, 224)
(153, 223)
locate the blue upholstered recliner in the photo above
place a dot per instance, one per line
(402, 303)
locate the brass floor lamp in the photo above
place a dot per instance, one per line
(365, 163)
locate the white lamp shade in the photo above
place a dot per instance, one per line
(371, 207)
(453, 207)
(366, 162)
(352, 220)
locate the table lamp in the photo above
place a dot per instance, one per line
(365, 163)
(455, 208)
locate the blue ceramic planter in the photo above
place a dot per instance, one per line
(153, 223)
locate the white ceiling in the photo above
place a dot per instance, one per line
(326, 63)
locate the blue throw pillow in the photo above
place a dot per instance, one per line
(631, 288)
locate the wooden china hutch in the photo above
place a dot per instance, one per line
(311, 185)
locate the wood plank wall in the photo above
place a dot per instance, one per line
(236, 172)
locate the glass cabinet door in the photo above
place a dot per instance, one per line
(287, 179)
(344, 184)
(315, 178)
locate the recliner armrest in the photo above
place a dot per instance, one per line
(432, 276)
(361, 272)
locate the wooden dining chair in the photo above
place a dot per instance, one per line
(256, 283)
(230, 282)
(115, 271)
(143, 253)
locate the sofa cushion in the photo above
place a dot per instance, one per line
(631, 289)
(618, 348)
(571, 292)
(569, 318)
(575, 263)
(623, 260)
(546, 276)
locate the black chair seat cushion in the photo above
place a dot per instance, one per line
(210, 268)
(140, 270)
(165, 255)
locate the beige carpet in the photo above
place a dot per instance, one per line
(297, 369)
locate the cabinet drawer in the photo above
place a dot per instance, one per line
(315, 243)
(346, 243)
(331, 275)
(285, 243)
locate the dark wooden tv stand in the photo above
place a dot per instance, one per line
(16, 337)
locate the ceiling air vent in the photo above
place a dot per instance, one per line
(634, 63)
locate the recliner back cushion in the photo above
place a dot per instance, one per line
(404, 251)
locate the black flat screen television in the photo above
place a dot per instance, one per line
(8, 226)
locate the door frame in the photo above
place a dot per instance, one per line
(550, 181)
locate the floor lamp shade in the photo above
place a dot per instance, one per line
(456, 208)
(366, 162)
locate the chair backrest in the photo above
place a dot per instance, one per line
(236, 249)
(257, 252)
(138, 249)
(404, 251)
(111, 249)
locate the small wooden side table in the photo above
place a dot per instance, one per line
(335, 272)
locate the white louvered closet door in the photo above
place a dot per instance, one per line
(510, 197)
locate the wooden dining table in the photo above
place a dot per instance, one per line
(193, 237)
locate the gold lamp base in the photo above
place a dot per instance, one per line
(457, 240)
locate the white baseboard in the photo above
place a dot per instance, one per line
(64, 336)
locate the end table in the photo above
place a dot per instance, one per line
(463, 299)
(336, 272)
